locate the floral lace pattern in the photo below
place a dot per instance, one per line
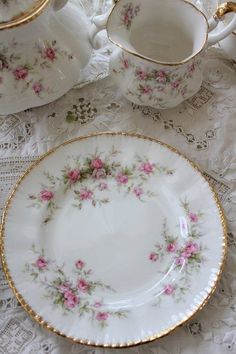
(71, 295)
(89, 180)
(187, 257)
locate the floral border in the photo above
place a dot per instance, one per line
(92, 178)
(74, 294)
(184, 257)
(128, 13)
(26, 74)
(152, 83)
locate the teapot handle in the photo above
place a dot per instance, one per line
(222, 10)
(59, 4)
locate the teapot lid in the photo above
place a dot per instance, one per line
(16, 12)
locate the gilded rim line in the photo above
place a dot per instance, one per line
(48, 326)
(152, 60)
(27, 16)
(220, 12)
(220, 3)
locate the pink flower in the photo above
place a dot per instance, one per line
(71, 300)
(79, 264)
(161, 76)
(125, 63)
(186, 254)
(97, 163)
(127, 19)
(86, 194)
(142, 74)
(100, 173)
(122, 178)
(73, 175)
(153, 257)
(192, 248)
(41, 263)
(193, 217)
(102, 316)
(191, 68)
(64, 288)
(138, 191)
(169, 289)
(175, 84)
(37, 87)
(97, 304)
(49, 53)
(183, 91)
(83, 285)
(146, 167)
(146, 89)
(103, 186)
(20, 73)
(180, 260)
(46, 195)
(171, 247)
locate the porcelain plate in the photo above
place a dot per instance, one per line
(113, 239)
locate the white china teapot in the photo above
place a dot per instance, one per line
(44, 45)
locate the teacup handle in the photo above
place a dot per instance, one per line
(222, 10)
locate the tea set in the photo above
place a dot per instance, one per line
(158, 60)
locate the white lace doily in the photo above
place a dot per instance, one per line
(203, 128)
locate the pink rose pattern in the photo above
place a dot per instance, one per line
(128, 13)
(46, 195)
(49, 53)
(23, 72)
(149, 80)
(101, 171)
(72, 295)
(185, 255)
(74, 175)
(41, 263)
(168, 289)
(79, 264)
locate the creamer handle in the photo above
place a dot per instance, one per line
(99, 23)
(221, 11)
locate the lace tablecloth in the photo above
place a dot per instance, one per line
(203, 128)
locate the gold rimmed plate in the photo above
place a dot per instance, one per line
(113, 240)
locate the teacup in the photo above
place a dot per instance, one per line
(229, 43)
(160, 48)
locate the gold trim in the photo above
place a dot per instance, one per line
(219, 4)
(224, 9)
(153, 60)
(48, 326)
(25, 17)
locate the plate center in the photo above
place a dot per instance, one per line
(115, 241)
